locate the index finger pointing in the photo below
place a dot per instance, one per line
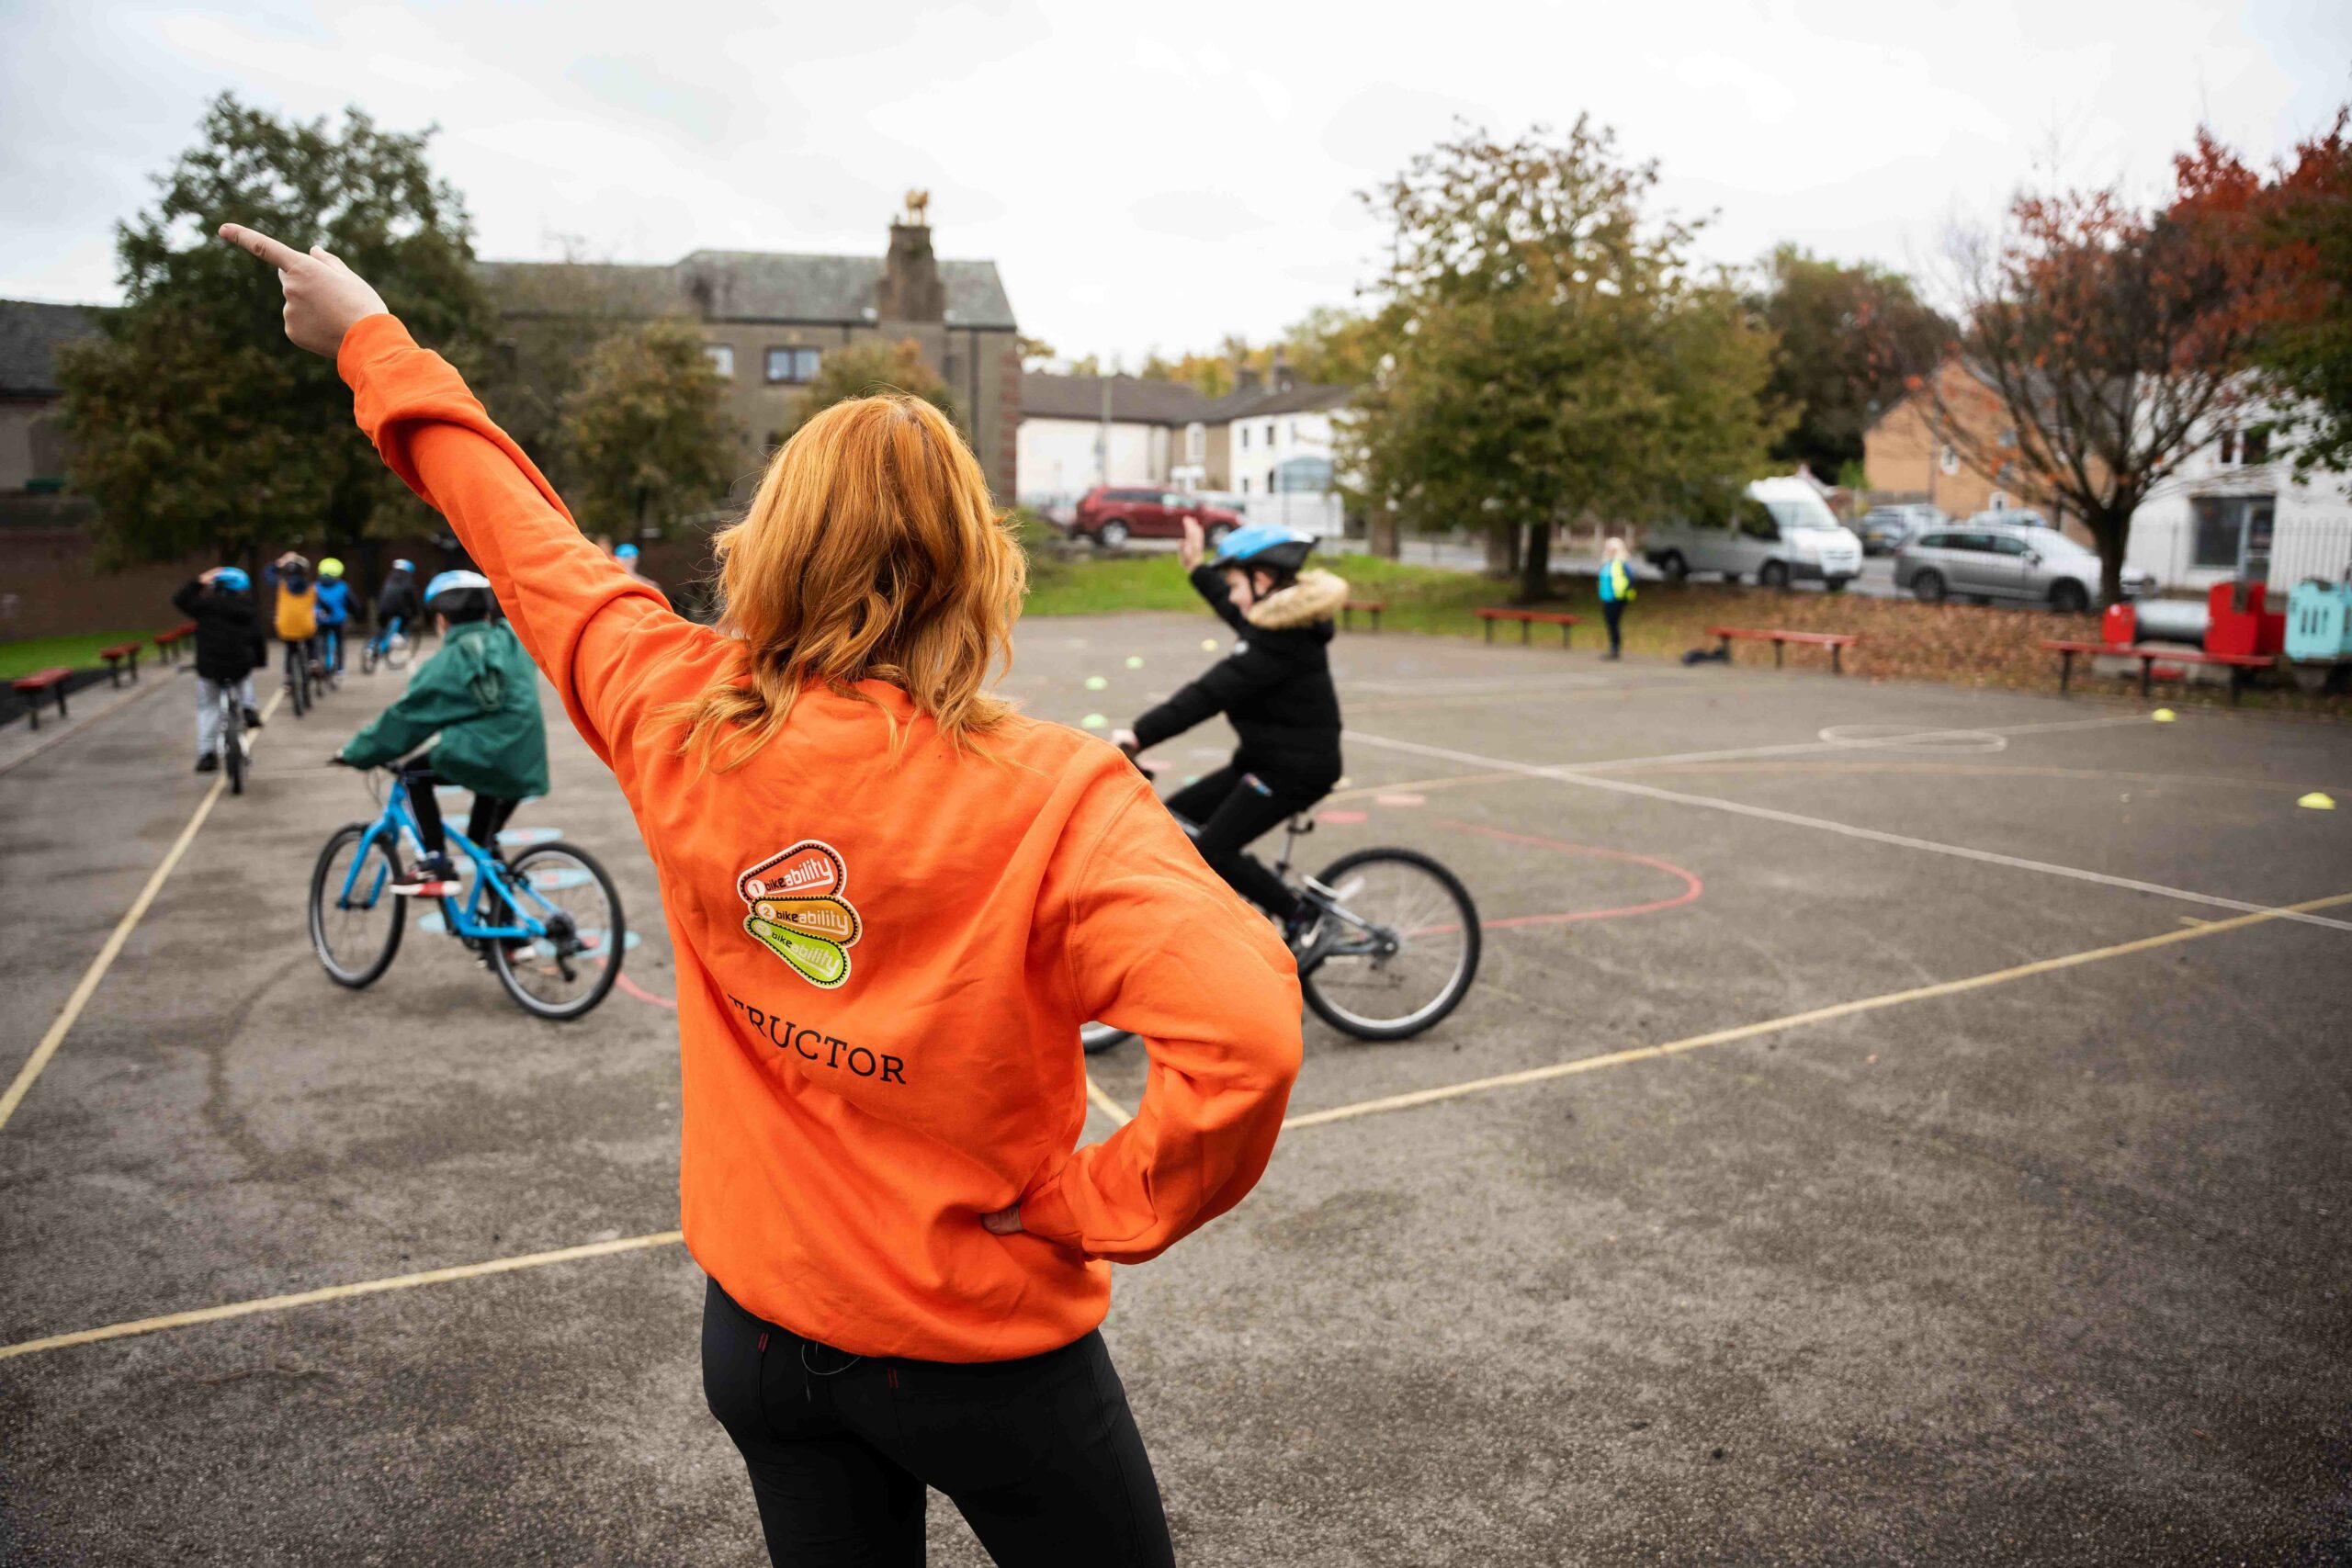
(284, 258)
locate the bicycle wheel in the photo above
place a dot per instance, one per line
(298, 685)
(566, 973)
(232, 740)
(357, 941)
(1397, 948)
(1097, 1038)
(367, 656)
(396, 651)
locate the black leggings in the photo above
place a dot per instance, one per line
(489, 814)
(1041, 1455)
(1231, 807)
(1613, 611)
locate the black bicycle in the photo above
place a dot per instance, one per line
(1392, 949)
(299, 688)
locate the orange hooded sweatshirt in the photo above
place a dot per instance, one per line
(883, 963)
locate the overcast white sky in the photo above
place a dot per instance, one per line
(1145, 174)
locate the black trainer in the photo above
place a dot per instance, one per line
(252, 718)
(208, 763)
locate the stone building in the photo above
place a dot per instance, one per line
(770, 317)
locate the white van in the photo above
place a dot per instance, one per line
(1780, 533)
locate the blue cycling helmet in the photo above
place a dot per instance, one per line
(1268, 545)
(626, 553)
(404, 566)
(461, 595)
(234, 578)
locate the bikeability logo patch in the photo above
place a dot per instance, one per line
(798, 911)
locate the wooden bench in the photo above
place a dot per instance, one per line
(1369, 606)
(1528, 620)
(118, 657)
(1835, 642)
(2240, 665)
(167, 644)
(31, 687)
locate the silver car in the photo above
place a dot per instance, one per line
(1883, 529)
(2002, 561)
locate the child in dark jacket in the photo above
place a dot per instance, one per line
(228, 624)
(1274, 688)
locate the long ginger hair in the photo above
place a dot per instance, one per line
(871, 552)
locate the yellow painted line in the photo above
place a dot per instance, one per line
(1796, 1021)
(1119, 1115)
(88, 987)
(340, 1292)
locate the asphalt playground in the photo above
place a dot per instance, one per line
(1892, 1124)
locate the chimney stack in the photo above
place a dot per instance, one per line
(909, 289)
(1283, 380)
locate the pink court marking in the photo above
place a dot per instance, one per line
(1341, 818)
(1692, 886)
(1400, 800)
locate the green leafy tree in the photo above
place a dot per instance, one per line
(863, 369)
(1548, 355)
(1850, 339)
(195, 426)
(642, 431)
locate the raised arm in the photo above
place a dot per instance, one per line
(597, 631)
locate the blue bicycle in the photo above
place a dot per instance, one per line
(548, 923)
(388, 648)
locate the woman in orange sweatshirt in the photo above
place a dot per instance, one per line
(893, 902)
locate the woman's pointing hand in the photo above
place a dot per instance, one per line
(324, 296)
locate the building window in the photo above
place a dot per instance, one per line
(1245, 438)
(1245, 479)
(1293, 431)
(722, 359)
(1950, 460)
(1196, 443)
(794, 365)
(1269, 433)
(2228, 528)
(2229, 448)
(2257, 446)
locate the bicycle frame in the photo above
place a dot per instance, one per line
(468, 918)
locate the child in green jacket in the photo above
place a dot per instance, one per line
(481, 695)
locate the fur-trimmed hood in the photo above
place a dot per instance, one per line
(1317, 595)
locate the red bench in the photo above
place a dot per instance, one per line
(1528, 620)
(121, 655)
(1835, 642)
(167, 644)
(1369, 606)
(31, 687)
(2241, 665)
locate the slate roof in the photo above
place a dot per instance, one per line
(1302, 397)
(1141, 401)
(1134, 400)
(759, 285)
(29, 334)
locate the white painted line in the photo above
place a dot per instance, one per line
(1570, 775)
(97, 971)
(1795, 1021)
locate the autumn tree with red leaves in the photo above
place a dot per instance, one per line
(2099, 347)
(2287, 237)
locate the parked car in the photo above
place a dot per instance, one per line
(1884, 529)
(1110, 515)
(1779, 532)
(2017, 516)
(2002, 561)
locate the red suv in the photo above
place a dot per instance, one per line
(1112, 515)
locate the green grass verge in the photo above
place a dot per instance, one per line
(28, 654)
